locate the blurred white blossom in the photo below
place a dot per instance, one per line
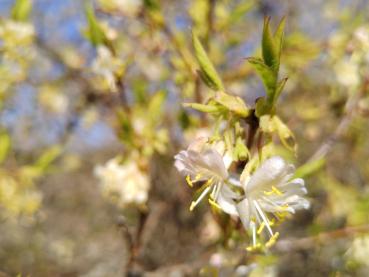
(347, 73)
(124, 184)
(359, 250)
(107, 67)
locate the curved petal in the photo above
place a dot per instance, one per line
(243, 209)
(270, 173)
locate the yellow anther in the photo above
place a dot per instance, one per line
(189, 181)
(273, 191)
(261, 228)
(272, 240)
(208, 182)
(254, 247)
(214, 204)
(277, 191)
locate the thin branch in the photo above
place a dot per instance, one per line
(322, 238)
(351, 109)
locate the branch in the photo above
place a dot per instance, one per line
(351, 109)
(322, 238)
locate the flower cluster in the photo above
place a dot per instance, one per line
(124, 184)
(259, 199)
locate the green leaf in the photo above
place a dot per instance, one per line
(206, 108)
(208, 72)
(309, 168)
(44, 161)
(94, 31)
(5, 145)
(268, 47)
(261, 107)
(239, 12)
(278, 40)
(267, 76)
(279, 89)
(233, 103)
(21, 10)
(155, 106)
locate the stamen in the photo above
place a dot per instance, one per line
(277, 191)
(189, 181)
(272, 240)
(219, 186)
(212, 194)
(261, 228)
(202, 195)
(265, 219)
(273, 191)
(214, 204)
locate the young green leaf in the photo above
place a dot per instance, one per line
(94, 31)
(268, 47)
(233, 103)
(21, 10)
(266, 74)
(279, 89)
(278, 41)
(208, 108)
(5, 144)
(208, 72)
(45, 160)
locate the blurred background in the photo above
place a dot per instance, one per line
(86, 82)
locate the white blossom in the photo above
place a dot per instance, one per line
(106, 66)
(270, 190)
(125, 184)
(207, 162)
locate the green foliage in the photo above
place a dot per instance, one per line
(94, 31)
(21, 10)
(309, 168)
(5, 145)
(208, 72)
(268, 67)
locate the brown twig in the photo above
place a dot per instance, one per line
(351, 109)
(322, 238)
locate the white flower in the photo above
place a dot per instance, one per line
(107, 66)
(204, 162)
(124, 184)
(270, 190)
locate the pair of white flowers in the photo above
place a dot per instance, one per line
(270, 191)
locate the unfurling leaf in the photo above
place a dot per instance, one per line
(208, 72)
(5, 145)
(94, 31)
(268, 47)
(206, 108)
(233, 103)
(266, 74)
(268, 67)
(21, 10)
